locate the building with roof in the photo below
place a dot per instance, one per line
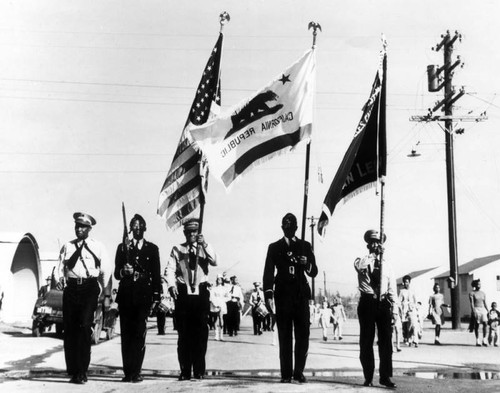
(20, 274)
(487, 269)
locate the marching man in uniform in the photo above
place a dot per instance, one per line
(187, 281)
(137, 266)
(292, 259)
(378, 293)
(84, 269)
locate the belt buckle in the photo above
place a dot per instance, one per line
(79, 280)
(136, 276)
(291, 270)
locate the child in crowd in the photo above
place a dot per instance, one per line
(339, 318)
(325, 316)
(493, 320)
(397, 327)
(414, 325)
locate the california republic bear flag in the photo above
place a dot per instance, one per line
(273, 121)
(365, 160)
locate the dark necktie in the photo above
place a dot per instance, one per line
(192, 257)
(375, 277)
(73, 259)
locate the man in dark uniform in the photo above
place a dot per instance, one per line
(292, 258)
(377, 288)
(233, 307)
(84, 268)
(137, 266)
(187, 280)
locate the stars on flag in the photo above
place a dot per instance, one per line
(208, 92)
(284, 78)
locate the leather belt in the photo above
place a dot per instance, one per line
(136, 275)
(368, 295)
(80, 280)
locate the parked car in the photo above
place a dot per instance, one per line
(48, 311)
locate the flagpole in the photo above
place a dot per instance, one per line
(315, 26)
(381, 123)
(306, 190)
(382, 223)
(224, 17)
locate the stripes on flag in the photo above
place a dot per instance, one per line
(185, 186)
(265, 149)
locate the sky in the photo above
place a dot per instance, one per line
(94, 96)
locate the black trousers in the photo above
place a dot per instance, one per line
(233, 318)
(133, 323)
(374, 313)
(292, 315)
(79, 305)
(257, 321)
(191, 314)
(161, 319)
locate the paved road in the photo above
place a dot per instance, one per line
(250, 364)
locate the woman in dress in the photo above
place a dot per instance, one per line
(218, 298)
(479, 311)
(406, 299)
(436, 315)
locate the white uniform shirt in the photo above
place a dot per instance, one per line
(103, 273)
(178, 254)
(364, 266)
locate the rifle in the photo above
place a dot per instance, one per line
(126, 246)
(126, 240)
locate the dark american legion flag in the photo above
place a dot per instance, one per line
(187, 180)
(365, 161)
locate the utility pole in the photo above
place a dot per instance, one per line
(435, 83)
(324, 283)
(313, 224)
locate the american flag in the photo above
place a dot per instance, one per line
(185, 186)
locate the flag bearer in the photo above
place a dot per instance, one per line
(374, 310)
(187, 281)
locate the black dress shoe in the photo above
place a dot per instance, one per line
(300, 378)
(77, 379)
(286, 380)
(387, 382)
(84, 378)
(184, 377)
(198, 376)
(127, 378)
(137, 378)
(367, 383)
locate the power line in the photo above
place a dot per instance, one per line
(176, 87)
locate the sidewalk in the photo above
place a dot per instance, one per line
(250, 363)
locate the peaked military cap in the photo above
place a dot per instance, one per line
(84, 219)
(372, 235)
(192, 223)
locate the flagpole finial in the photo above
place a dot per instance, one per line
(224, 18)
(384, 41)
(315, 26)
